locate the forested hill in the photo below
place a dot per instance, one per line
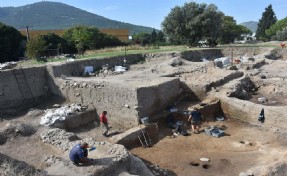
(54, 15)
(252, 25)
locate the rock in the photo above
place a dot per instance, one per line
(84, 84)
(233, 67)
(127, 106)
(219, 64)
(251, 59)
(176, 62)
(77, 94)
(56, 106)
(243, 174)
(262, 99)
(263, 77)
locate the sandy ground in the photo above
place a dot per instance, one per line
(243, 146)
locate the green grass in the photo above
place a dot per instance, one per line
(134, 49)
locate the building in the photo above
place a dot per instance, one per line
(121, 34)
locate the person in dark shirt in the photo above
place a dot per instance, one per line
(173, 124)
(261, 117)
(79, 154)
(196, 119)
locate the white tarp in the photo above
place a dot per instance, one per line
(225, 60)
(120, 69)
(59, 114)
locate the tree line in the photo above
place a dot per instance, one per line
(187, 24)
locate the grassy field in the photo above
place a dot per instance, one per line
(134, 49)
(111, 52)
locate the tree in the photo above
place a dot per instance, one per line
(230, 30)
(153, 36)
(193, 22)
(89, 38)
(160, 37)
(278, 26)
(11, 43)
(36, 48)
(53, 41)
(268, 18)
(143, 38)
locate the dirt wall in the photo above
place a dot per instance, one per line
(154, 99)
(117, 100)
(76, 68)
(198, 55)
(275, 117)
(22, 87)
(124, 103)
(237, 52)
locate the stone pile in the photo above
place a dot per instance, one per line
(8, 65)
(54, 116)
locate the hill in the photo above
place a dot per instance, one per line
(54, 15)
(252, 25)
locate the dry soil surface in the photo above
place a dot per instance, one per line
(243, 146)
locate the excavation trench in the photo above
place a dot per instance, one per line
(146, 90)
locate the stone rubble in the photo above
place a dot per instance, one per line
(52, 116)
(8, 65)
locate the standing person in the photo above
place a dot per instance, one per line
(79, 154)
(196, 118)
(104, 123)
(261, 117)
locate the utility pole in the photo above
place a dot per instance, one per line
(27, 32)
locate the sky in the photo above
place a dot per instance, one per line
(151, 13)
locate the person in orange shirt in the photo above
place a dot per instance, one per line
(104, 123)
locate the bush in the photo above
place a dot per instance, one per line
(36, 48)
(282, 35)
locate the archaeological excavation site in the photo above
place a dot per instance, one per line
(45, 110)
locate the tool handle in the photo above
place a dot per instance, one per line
(92, 148)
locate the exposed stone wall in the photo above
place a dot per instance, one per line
(76, 68)
(22, 87)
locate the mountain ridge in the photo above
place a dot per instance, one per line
(48, 15)
(252, 25)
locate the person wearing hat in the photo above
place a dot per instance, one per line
(196, 119)
(79, 154)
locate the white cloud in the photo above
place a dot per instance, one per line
(111, 8)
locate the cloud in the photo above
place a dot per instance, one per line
(111, 8)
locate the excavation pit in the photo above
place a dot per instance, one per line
(147, 90)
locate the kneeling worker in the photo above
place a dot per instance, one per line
(79, 154)
(173, 124)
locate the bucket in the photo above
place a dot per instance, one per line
(145, 120)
